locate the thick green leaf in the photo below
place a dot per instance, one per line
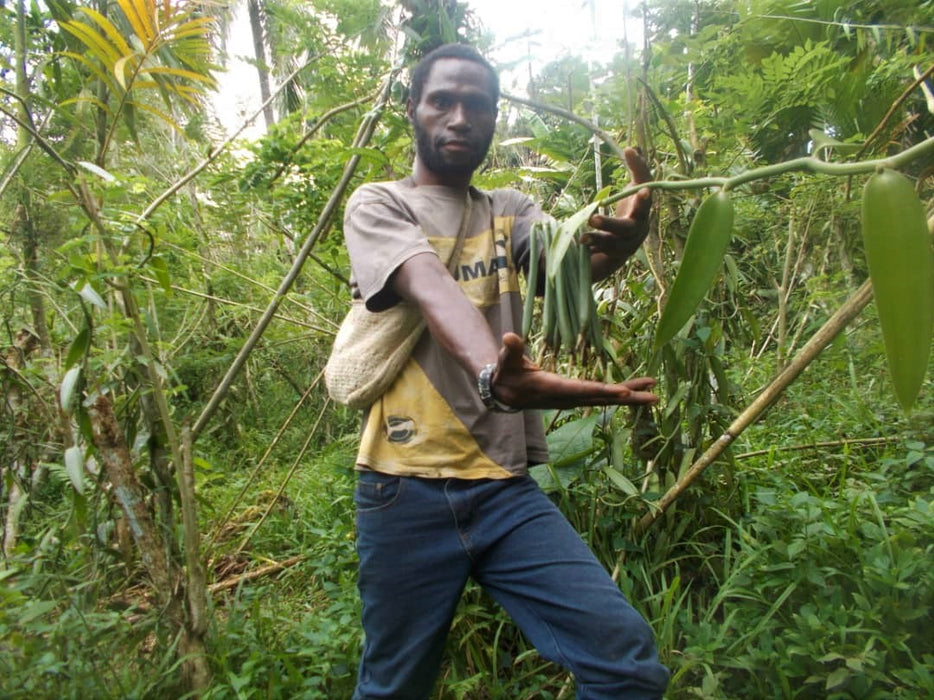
(573, 440)
(74, 467)
(69, 382)
(565, 235)
(97, 170)
(90, 295)
(620, 481)
(161, 270)
(78, 348)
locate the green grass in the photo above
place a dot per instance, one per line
(795, 573)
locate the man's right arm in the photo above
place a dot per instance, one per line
(461, 329)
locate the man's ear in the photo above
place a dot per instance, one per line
(410, 111)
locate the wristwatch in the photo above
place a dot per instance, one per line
(485, 387)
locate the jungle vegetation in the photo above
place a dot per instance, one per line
(176, 485)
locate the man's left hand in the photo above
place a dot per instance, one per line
(620, 236)
(520, 383)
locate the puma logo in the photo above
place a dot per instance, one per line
(400, 430)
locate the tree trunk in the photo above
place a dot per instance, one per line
(166, 576)
(259, 50)
(22, 221)
(19, 462)
(117, 462)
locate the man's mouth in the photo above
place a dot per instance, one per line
(455, 145)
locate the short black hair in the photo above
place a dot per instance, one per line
(461, 51)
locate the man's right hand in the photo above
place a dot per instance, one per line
(520, 383)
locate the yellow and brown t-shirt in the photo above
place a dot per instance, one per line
(431, 422)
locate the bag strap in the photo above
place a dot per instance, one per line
(461, 234)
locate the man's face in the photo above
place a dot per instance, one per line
(454, 120)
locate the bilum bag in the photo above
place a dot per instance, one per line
(371, 348)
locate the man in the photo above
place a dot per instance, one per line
(443, 492)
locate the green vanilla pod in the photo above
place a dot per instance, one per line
(532, 279)
(565, 329)
(571, 286)
(585, 303)
(704, 250)
(550, 316)
(898, 251)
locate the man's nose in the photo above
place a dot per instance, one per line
(459, 119)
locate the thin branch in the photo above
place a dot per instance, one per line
(15, 166)
(41, 142)
(247, 278)
(283, 230)
(852, 25)
(299, 459)
(255, 574)
(895, 105)
(836, 323)
(330, 270)
(248, 307)
(321, 121)
(860, 442)
(262, 461)
(570, 116)
(212, 156)
(367, 127)
(672, 129)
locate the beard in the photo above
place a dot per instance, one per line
(441, 163)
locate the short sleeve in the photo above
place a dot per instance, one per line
(381, 233)
(524, 212)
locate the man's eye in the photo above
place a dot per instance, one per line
(442, 102)
(478, 105)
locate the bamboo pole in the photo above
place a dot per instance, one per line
(367, 127)
(924, 149)
(836, 323)
(262, 461)
(858, 442)
(198, 671)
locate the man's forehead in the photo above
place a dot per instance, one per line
(459, 73)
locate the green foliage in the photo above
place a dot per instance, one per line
(298, 636)
(824, 595)
(795, 573)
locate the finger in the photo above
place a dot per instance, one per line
(614, 225)
(622, 396)
(630, 211)
(511, 354)
(637, 166)
(620, 240)
(640, 383)
(590, 393)
(636, 206)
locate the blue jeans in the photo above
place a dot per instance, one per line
(420, 539)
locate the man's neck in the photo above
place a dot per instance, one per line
(422, 176)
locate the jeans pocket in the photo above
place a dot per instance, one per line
(376, 491)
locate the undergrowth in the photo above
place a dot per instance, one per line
(793, 570)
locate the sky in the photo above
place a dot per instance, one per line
(529, 32)
(555, 28)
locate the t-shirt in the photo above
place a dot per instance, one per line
(431, 422)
